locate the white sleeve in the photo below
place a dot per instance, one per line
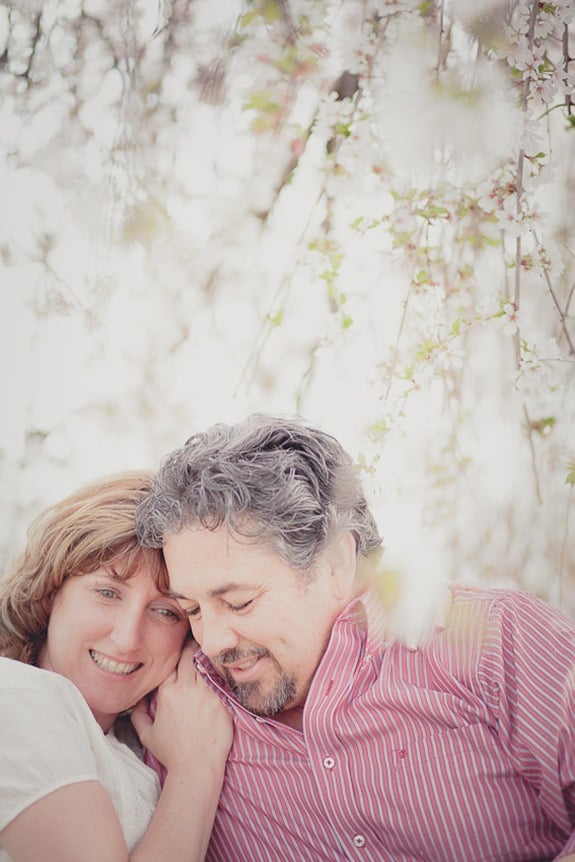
(45, 731)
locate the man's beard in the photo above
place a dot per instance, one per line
(253, 695)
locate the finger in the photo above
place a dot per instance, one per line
(191, 647)
(140, 718)
(186, 663)
(171, 678)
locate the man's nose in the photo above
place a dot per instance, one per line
(214, 635)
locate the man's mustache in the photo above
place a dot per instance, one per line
(232, 656)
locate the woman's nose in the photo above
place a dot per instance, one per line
(128, 628)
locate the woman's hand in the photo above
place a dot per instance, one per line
(191, 725)
(191, 735)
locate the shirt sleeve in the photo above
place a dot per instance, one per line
(528, 677)
(44, 743)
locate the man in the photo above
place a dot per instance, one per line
(349, 745)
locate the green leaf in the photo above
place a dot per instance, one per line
(570, 480)
(425, 349)
(343, 129)
(543, 426)
(247, 19)
(288, 62)
(275, 319)
(271, 11)
(422, 277)
(377, 428)
(430, 212)
(455, 329)
(261, 101)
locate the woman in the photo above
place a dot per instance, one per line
(87, 630)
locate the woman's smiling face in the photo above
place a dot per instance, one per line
(115, 639)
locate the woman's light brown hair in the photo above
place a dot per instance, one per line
(90, 529)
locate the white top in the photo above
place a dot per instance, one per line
(49, 739)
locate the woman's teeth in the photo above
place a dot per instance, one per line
(112, 666)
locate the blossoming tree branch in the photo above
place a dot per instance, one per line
(359, 210)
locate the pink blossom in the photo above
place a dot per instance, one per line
(448, 357)
(508, 320)
(491, 199)
(508, 217)
(528, 60)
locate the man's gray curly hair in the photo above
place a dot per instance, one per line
(277, 480)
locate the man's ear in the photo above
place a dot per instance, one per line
(341, 556)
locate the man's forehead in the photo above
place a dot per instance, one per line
(195, 535)
(223, 589)
(208, 563)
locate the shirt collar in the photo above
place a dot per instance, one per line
(363, 617)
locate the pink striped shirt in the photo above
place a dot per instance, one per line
(463, 749)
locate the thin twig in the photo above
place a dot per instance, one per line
(566, 60)
(440, 42)
(562, 314)
(533, 454)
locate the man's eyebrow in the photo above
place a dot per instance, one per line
(230, 587)
(172, 595)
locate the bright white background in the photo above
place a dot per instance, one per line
(196, 223)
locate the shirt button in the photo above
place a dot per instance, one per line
(359, 840)
(328, 762)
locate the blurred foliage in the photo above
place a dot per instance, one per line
(357, 209)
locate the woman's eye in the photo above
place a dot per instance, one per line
(107, 593)
(169, 613)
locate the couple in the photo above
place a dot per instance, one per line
(347, 745)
